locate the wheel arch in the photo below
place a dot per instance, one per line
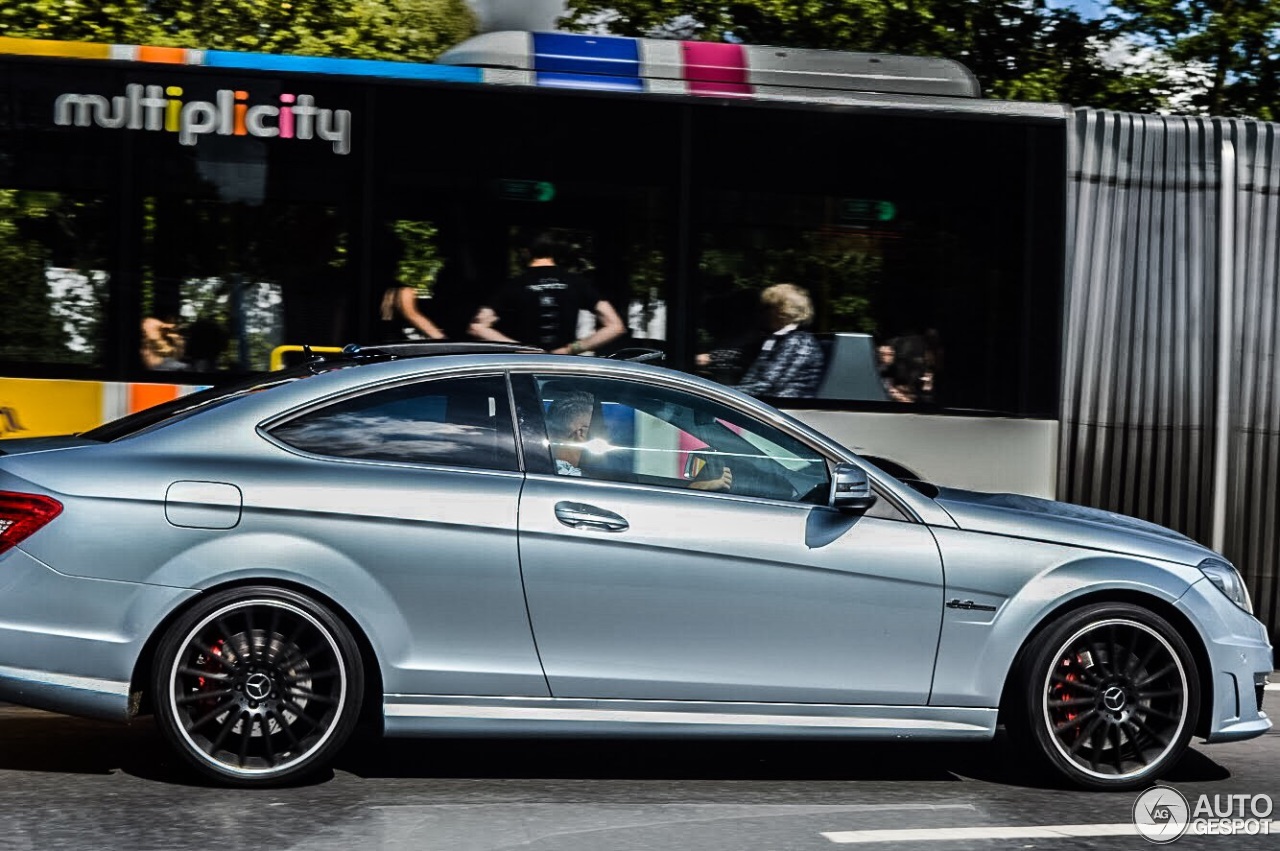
(1166, 610)
(371, 708)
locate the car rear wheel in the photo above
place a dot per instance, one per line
(258, 686)
(1108, 696)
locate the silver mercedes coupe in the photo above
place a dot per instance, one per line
(475, 540)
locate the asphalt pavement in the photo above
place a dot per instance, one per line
(77, 784)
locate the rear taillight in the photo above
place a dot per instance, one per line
(22, 514)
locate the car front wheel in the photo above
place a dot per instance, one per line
(1109, 695)
(257, 686)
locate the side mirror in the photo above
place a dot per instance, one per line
(851, 490)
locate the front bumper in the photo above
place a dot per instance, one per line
(1239, 659)
(70, 644)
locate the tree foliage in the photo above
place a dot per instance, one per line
(367, 29)
(1228, 50)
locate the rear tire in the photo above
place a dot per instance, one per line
(1107, 696)
(257, 686)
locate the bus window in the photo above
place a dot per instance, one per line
(928, 289)
(602, 176)
(57, 278)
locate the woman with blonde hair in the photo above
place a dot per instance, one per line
(790, 362)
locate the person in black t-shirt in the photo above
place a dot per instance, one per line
(540, 307)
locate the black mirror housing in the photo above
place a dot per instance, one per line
(851, 489)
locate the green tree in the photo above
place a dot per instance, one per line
(413, 30)
(1235, 42)
(1017, 48)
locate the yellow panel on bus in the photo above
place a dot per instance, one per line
(32, 407)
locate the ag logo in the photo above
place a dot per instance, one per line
(1161, 814)
(9, 421)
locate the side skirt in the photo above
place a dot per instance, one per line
(431, 715)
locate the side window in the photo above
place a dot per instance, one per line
(631, 432)
(456, 422)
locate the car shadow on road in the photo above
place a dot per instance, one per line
(44, 742)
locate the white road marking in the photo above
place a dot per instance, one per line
(1029, 831)
(1273, 687)
(945, 834)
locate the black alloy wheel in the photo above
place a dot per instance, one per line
(258, 686)
(1109, 696)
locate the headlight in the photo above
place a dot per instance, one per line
(1229, 582)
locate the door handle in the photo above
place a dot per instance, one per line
(577, 515)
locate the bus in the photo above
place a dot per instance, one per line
(171, 217)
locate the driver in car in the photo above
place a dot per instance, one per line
(569, 425)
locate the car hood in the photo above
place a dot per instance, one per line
(23, 445)
(1060, 522)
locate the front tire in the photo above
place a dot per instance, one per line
(1108, 696)
(258, 686)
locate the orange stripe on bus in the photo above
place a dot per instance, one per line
(169, 55)
(146, 395)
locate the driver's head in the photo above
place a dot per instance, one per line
(569, 417)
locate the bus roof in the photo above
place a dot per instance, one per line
(612, 63)
(707, 68)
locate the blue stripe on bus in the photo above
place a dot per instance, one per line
(350, 67)
(596, 82)
(563, 53)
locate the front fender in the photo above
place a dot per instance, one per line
(1025, 581)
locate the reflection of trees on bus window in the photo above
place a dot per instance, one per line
(237, 279)
(55, 276)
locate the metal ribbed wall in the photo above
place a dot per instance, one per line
(1143, 268)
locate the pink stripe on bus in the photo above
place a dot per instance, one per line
(713, 68)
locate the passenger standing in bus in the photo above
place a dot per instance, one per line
(790, 362)
(402, 315)
(403, 318)
(540, 307)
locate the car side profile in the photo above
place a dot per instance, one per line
(486, 541)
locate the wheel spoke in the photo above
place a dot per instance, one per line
(312, 696)
(196, 672)
(1152, 695)
(198, 696)
(248, 635)
(1080, 684)
(266, 741)
(1150, 654)
(232, 645)
(271, 633)
(300, 712)
(1096, 655)
(211, 714)
(1074, 701)
(285, 727)
(1126, 656)
(1098, 739)
(222, 734)
(313, 675)
(1150, 710)
(1075, 722)
(1157, 675)
(1141, 724)
(1134, 735)
(1084, 735)
(1119, 759)
(246, 733)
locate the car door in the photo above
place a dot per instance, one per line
(416, 486)
(642, 585)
